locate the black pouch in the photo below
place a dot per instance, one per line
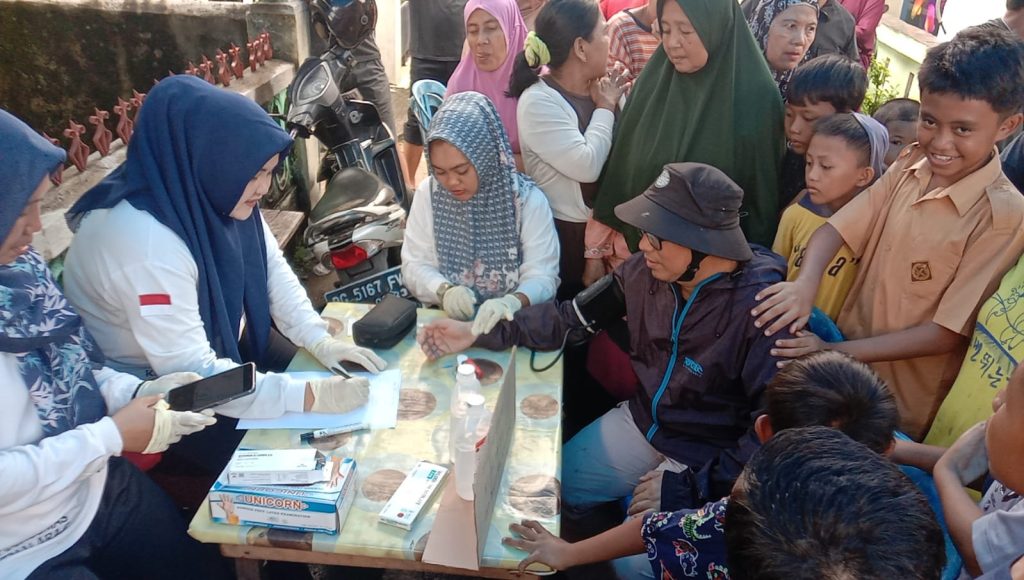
(386, 324)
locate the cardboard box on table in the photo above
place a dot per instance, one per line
(320, 507)
(455, 539)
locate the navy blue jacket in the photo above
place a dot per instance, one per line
(702, 367)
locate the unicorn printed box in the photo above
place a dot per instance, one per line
(318, 507)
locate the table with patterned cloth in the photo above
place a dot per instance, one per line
(530, 485)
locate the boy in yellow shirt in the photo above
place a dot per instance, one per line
(845, 156)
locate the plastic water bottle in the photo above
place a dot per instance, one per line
(468, 436)
(466, 384)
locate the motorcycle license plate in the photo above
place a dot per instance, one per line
(372, 290)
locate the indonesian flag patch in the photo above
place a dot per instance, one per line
(155, 304)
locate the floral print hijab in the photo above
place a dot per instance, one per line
(761, 21)
(477, 241)
(55, 354)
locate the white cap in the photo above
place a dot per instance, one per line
(473, 400)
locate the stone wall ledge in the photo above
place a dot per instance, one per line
(197, 7)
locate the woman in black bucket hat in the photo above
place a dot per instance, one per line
(701, 363)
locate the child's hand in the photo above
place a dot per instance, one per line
(543, 546)
(647, 495)
(787, 303)
(804, 343)
(968, 457)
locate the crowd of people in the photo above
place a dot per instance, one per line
(792, 287)
(714, 132)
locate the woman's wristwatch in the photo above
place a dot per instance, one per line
(441, 290)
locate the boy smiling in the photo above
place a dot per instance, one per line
(934, 235)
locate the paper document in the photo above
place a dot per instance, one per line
(380, 413)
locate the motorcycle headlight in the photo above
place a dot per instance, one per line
(315, 84)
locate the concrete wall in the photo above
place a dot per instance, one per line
(64, 57)
(905, 47)
(389, 38)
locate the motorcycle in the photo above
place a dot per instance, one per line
(356, 228)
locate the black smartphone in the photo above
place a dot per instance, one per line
(352, 367)
(212, 391)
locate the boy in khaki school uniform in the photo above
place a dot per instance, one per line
(935, 234)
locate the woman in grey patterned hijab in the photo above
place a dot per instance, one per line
(484, 234)
(785, 30)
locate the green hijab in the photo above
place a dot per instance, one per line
(728, 114)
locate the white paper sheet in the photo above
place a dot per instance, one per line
(380, 413)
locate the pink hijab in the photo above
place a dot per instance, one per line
(467, 77)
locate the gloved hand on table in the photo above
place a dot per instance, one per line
(338, 394)
(494, 310)
(331, 351)
(458, 303)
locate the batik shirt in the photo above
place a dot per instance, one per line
(687, 543)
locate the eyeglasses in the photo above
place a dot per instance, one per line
(653, 240)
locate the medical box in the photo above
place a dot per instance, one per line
(318, 507)
(277, 467)
(413, 495)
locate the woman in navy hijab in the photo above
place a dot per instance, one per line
(72, 508)
(171, 260)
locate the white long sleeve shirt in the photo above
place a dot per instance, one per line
(538, 272)
(556, 155)
(50, 489)
(121, 255)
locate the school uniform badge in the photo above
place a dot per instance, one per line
(920, 272)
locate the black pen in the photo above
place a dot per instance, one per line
(338, 370)
(323, 433)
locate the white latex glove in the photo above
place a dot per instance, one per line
(331, 351)
(170, 426)
(161, 385)
(459, 302)
(338, 394)
(493, 310)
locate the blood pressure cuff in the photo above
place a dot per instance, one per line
(601, 304)
(386, 324)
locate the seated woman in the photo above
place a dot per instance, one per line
(71, 507)
(705, 97)
(478, 231)
(171, 259)
(495, 33)
(566, 118)
(785, 31)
